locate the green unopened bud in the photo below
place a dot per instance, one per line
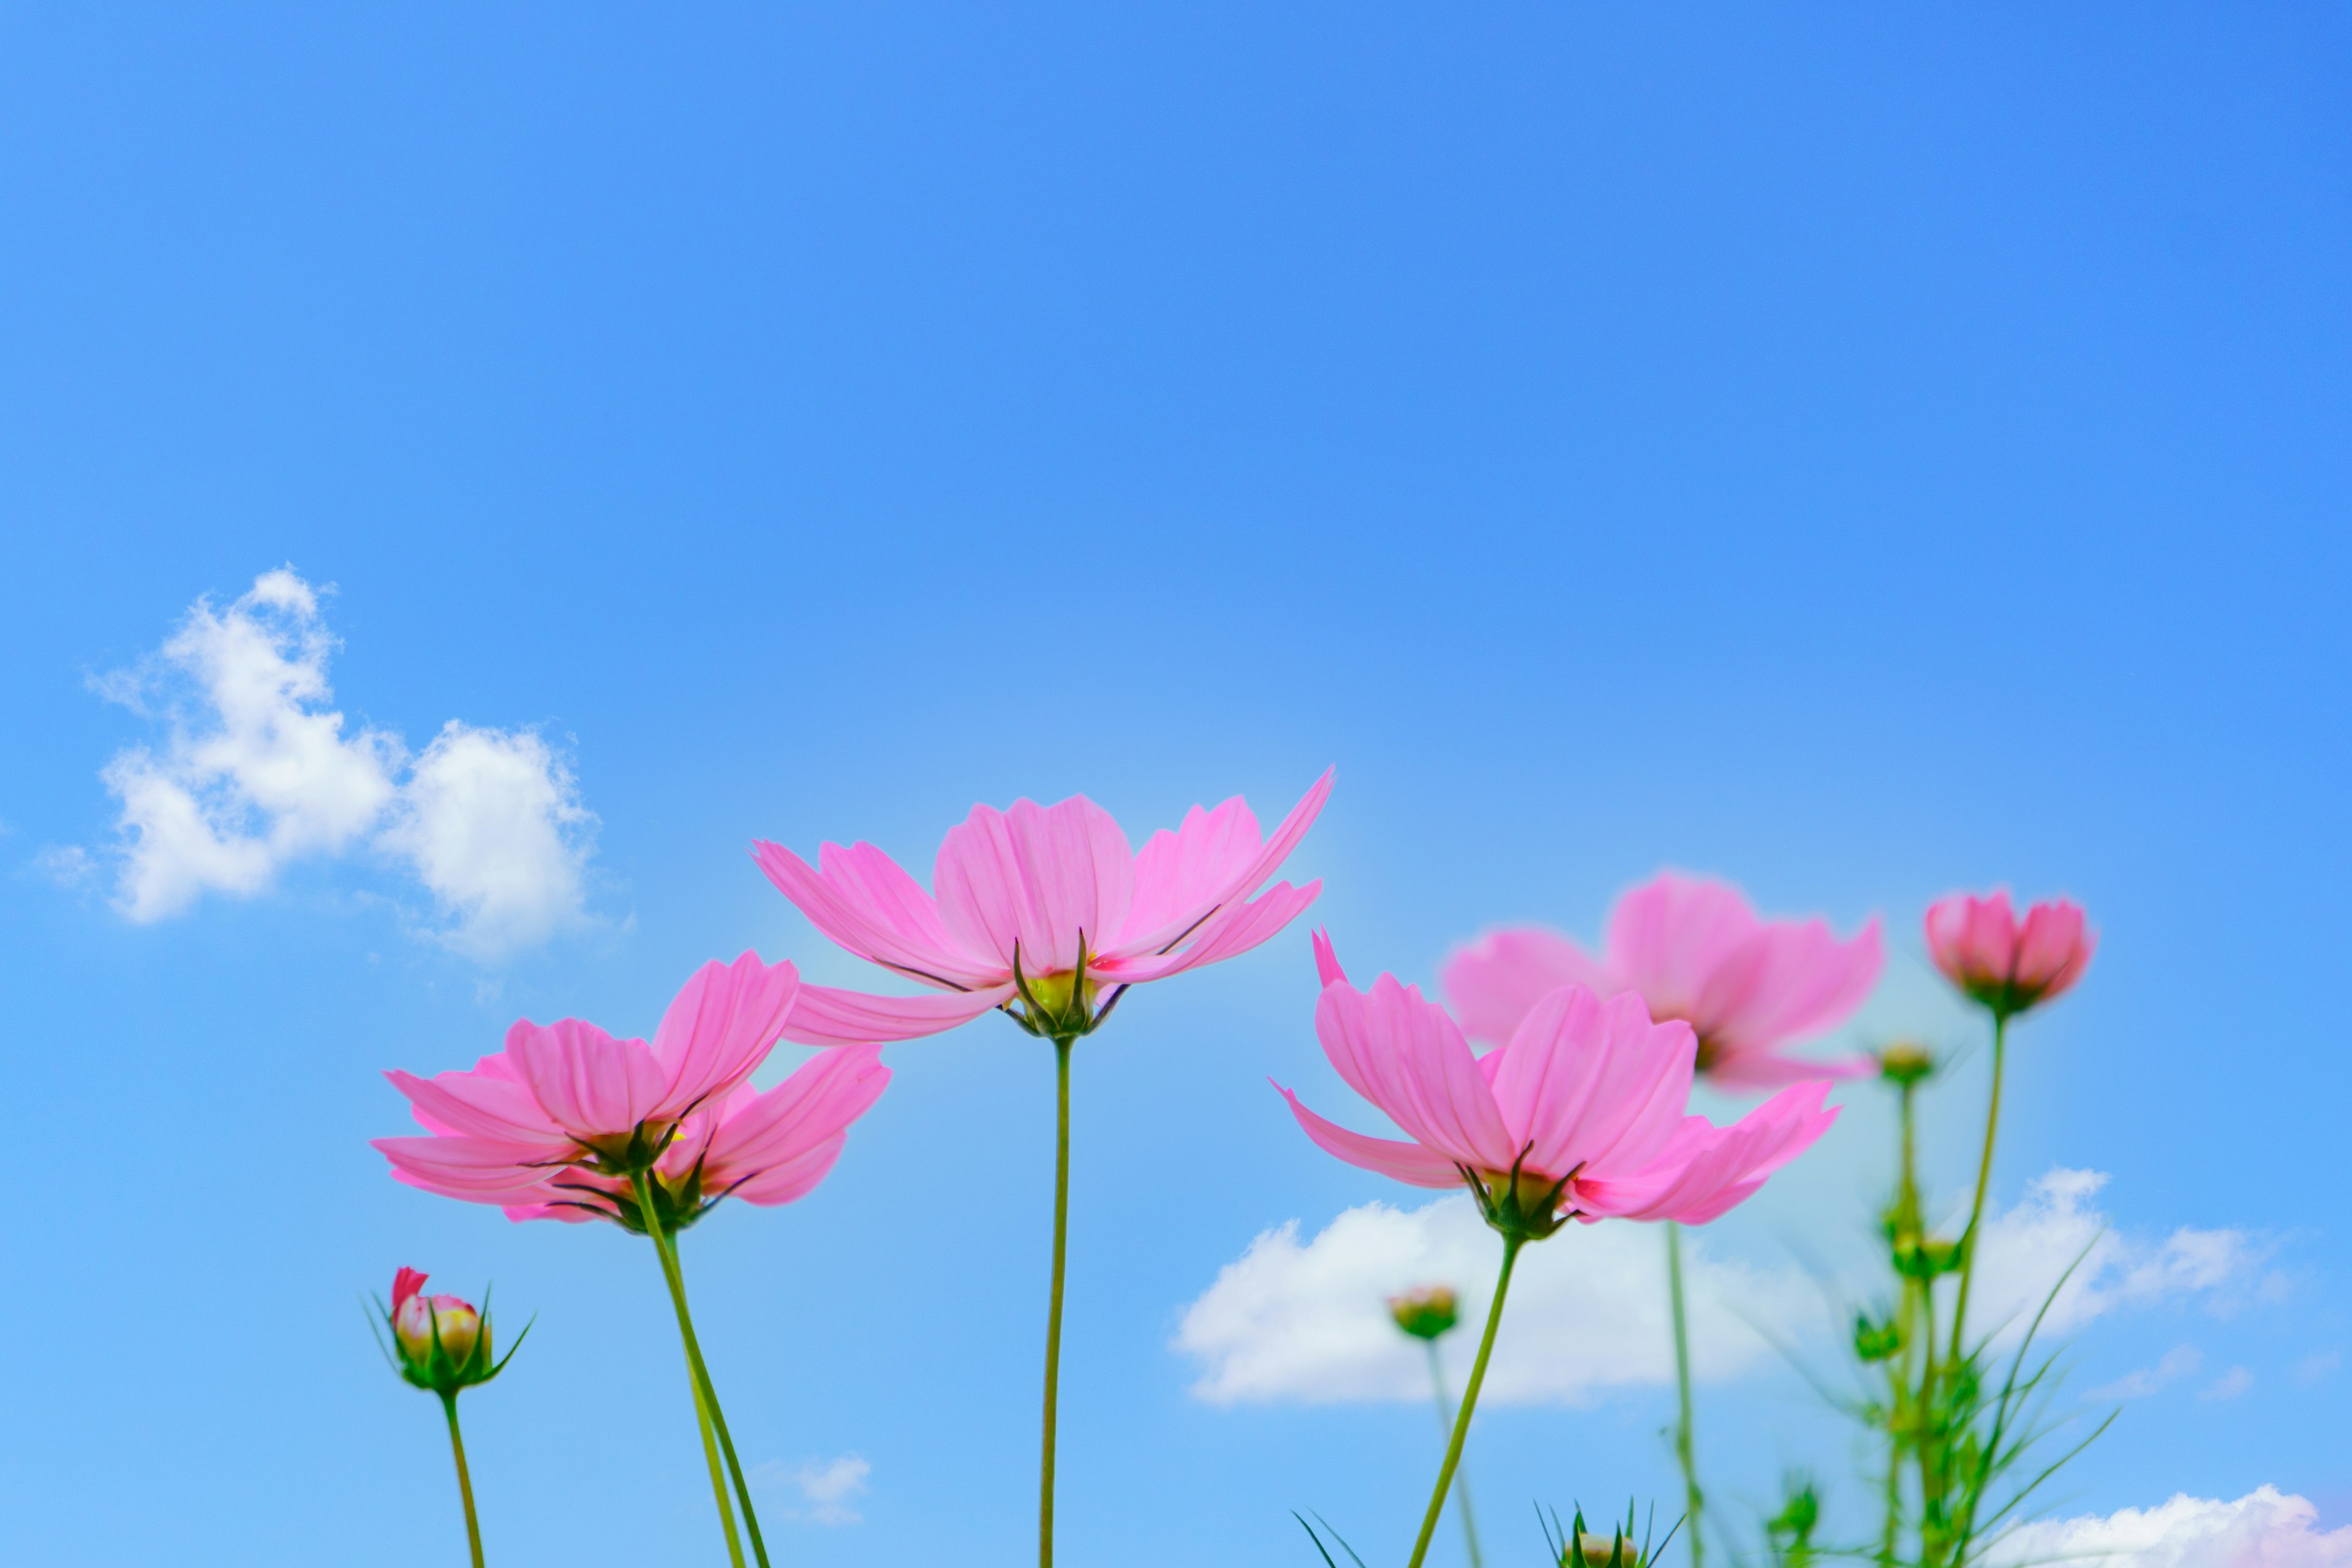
(1905, 1062)
(1875, 1341)
(1426, 1312)
(1607, 1551)
(1924, 1257)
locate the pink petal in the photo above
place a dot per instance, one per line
(1973, 941)
(479, 1105)
(1751, 1070)
(591, 1084)
(719, 1028)
(1408, 1163)
(1706, 1171)
(1668, 936)
(825, 1017)
(1326, 960)
(1231, 931)
(1181, 876)
(2054, 948)
(866, 903)
(1496, 982)
(1225, 865)
(1592, 1084)
(1038, 876)
(792, 1180)
(1789, 979)
(480, 1169)
(1405, 1056)
(404, 1284)
(814, 1106)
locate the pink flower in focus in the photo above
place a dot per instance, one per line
(764, 1148)
(567, 1106)
(1046, 906)
(1981, 948)
(1694, 949)
(1580, 1114)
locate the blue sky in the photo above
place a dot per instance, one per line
(1859, 453)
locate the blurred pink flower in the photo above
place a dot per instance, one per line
(1043, 905)
(554, 1124)
(1981, 948)
(1580, 1115)
(1694, 949)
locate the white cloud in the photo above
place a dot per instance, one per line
(1306, 1322)
(2261, 1529)
(1588, 1311)
(2029, 1247)
(491, 820)
(2180, 1361)
(2229, 1385)
(257, 770)
(827, 1487)
(2316, 1366)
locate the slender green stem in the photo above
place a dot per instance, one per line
(1062, 1044)
(1683, 1449)
(464, 1481)
(706, 1402)
(1461, 1476)
(1511, 1245)
(1984, 1176)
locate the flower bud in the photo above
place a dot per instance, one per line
(2004, 963)
(444, 1343)
(1426, 1312)
(1875, 1341)
(1905, 1062)
(1607, 1551)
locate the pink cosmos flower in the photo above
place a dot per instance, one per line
(1981, 948)
(417, 1319)
(1043, 905)
(555, 1124)
(1696, 950)
(1580, 1115)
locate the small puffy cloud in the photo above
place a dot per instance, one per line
(257, 768)
(1587, 1311)
(2265, 1528)
(2180, 1361)
(491, 821)
(2029, 1249)
(2316, 1366)
(826, 1486)
(1305, 1321)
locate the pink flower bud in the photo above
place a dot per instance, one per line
(417, 1319)
(2006, 965)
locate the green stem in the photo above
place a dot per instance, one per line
(1511, 1245)
(1692, 1500)
(1984, 1176)
(1062, 1044)
(465, 1481)
(1461, 1476)
(705, 1399)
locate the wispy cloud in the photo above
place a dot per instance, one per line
(1305, 1321)
(2058, 1226)
(2180, 1361)
(825, 1486)
(2264, 1528)
(2229, 1385)
(2316, 1366)
(257, 768)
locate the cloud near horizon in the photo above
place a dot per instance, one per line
(827, 1487)
(2265, 1528)
(1308, 1323)
(258, 770)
